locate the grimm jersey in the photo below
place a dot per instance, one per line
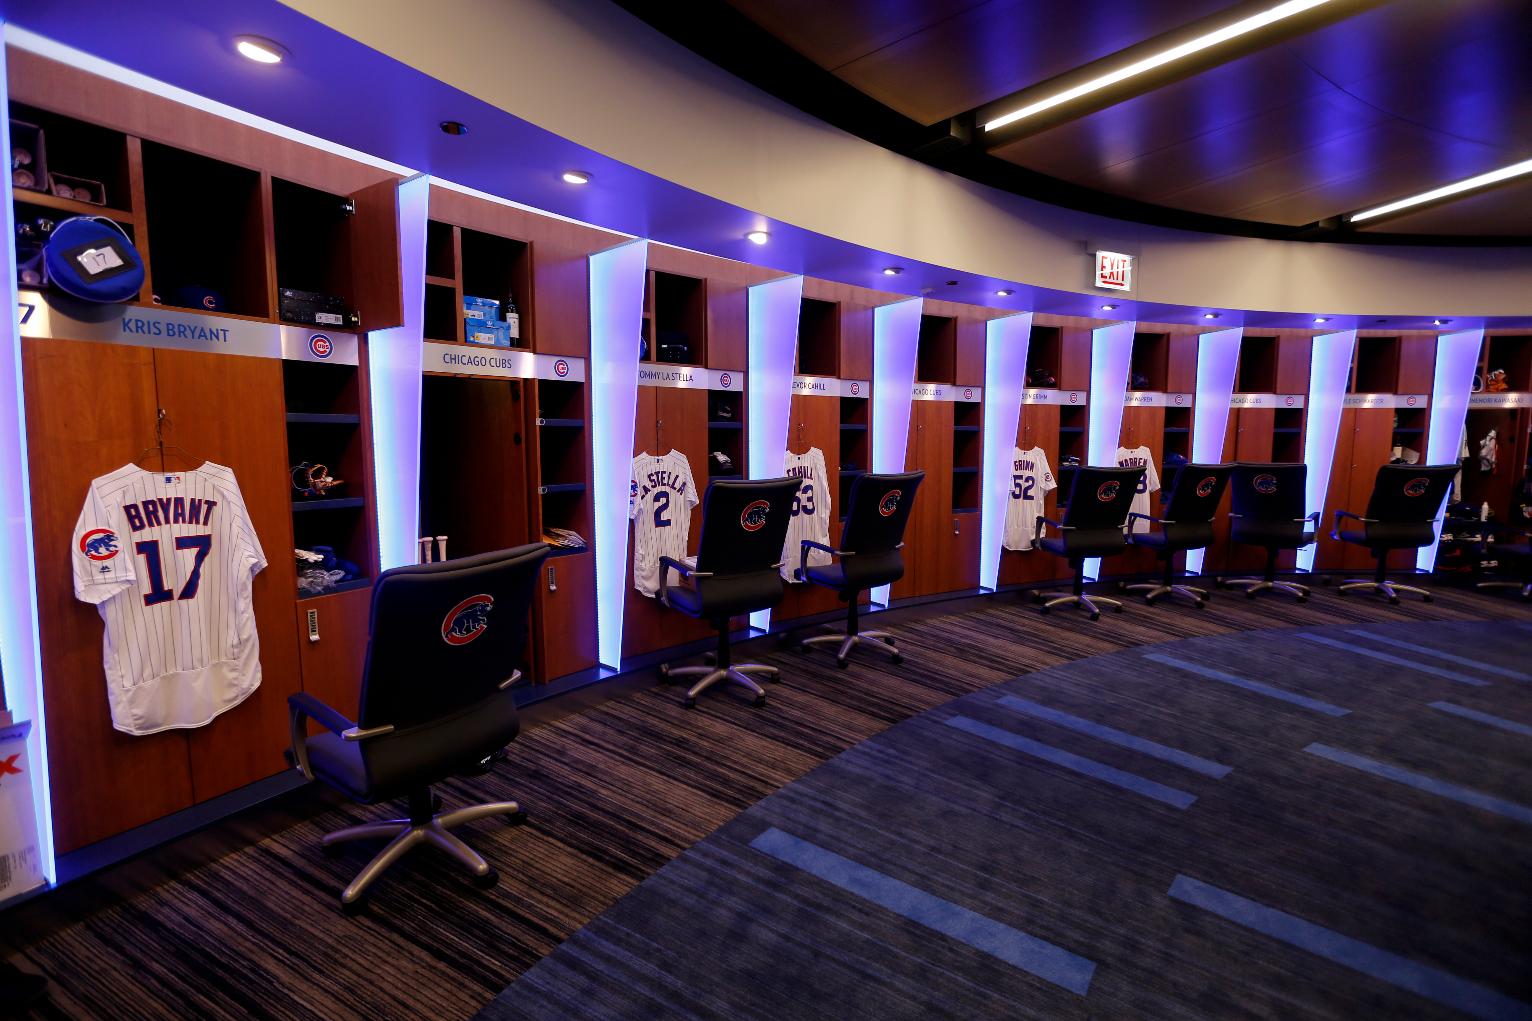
(1139, 457)
(168, 559)
(661, 495)
(1031, 481)
(811, 510)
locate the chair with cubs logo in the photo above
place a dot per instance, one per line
(868, 557)
(1099, 501)
(1267, 511)
(739, 557)
(1187, 525)
(436, 702)
(1403, 512)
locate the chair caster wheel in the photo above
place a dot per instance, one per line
(1096, 615)
(897, 660)
(773, 678)
(1250, 594)
(330, 850)
(1206, 599)
(1303, 599)
(516, 818)
(487, 880)
(842, 662)
(1199, 604)
(1393, 600)
(689, 703)
(664, 673)
(352, 908)
(1427, 599)
(1044, 610)
(710, 659)
(1116, 609)
(803, 650)
(760, 701)
(888, 641)
(1037, 597)
(1148, 600)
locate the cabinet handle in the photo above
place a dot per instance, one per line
(553, 581)
(313, 622)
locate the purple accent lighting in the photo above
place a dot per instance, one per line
(1005, 369)
(1329, 366)
(774, 309)
(1111, 352)
(1457, 355)
(1217, 355)
(895, 338)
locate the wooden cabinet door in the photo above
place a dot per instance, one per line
(565, 615)
(1371, 449)
(928, 536)
(332, 664)
(1332, 553)
(375, 281)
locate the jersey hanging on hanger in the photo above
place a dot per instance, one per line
(811, 510)
(661, 495)
(1031, 481)
(168, 559)
(1139, 457)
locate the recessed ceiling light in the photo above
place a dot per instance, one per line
(454, 127)
(952, 283)
(1210, 315)
(1242, 27)
(892, 271)
(1108, 308)
(1440, 322)
(262, 51)
(1321, 319)
(1457, 188)
(759, 237)
(576, 177)
(1003, 293)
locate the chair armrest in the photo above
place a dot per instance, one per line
(303, 707)
(1148, 517)
(803, 555)
(515, 676)
(1037, 532)
(668, 564)
(1342, 514)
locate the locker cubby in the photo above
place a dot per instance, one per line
(499, 268)
(1287, 436)
(1376, 369)
(474, 471)
(313, 240)
(677, 307)
(967, 455)
(1045, 351)
(725, 434)
(206, 231)
(562, 443)
(936, 355)
(1149, 366)
(1072, 423)
(441, 250)
(443, 313)
(855, 447)
(1257, 368)
(75, 149)
(1410, 430)
(1178, 432)
(1514, 355)
(324, 426)
(818, 338)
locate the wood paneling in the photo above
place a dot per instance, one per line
(332, 666)
(565, 619)
(1037, 426)
(561, 299)
(929, 534)
(814, 422)
(375, 283)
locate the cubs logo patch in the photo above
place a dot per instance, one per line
(890, 502)
(753, 517)
(968, 393)
(467, 620)
(1266, 484)
(321, 346)
(1107, 491)
(1206, 486)
(208, 301)
(99, 544)
(725, 380)
(561, 368)
(1416, 487)
(856, 389)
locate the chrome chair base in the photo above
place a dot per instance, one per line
(1254, 585)
(1083, 601)
(1391, 589)
(404, 834)
(711, 675)
(1526, 589)
(1153, 591)
(880, 640)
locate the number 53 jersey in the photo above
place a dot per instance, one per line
(168, 559)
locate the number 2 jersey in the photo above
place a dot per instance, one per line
(1031, 480)
(811, 510)
(168, 559)
(661, 496)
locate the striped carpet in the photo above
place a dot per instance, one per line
(621, 789)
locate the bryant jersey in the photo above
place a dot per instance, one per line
(168, 559)
(1139, 457)
(1031, 480)
(811, 510)
(661, 495)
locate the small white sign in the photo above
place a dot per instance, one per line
(1114, 271)
(947, 392)
(1067, 398)
(501, 362)
(1385, 400)
(1155, 399)
(1266, 400)
(690, 377)
(829, 386)
(1508, 399)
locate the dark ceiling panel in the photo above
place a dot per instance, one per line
(1501, 212)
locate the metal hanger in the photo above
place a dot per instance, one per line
(159, 446)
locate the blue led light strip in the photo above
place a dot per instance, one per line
(1457, 355)
(895, 338)
(1005, 369)
(1111, 353)
(1217, 356)
(774, 308)
(1329, 367)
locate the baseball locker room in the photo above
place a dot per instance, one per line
(805, 513)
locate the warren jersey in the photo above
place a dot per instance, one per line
(1031, 481)
(661, 495)
(1139, 457)
(168, 559)
(811, 510)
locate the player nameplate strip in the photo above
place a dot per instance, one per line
(1155, 399)
(947, 392)
(1500, 400)
(1266, 400)
(503, 362)
(1069, 398)
(830, 386)
(1385, 400)
(690, 377)
(48, 318)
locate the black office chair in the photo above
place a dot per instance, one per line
(744, 524)
(870, 541)
(1402, 513)
(1268, 512)
(1514, 556)
(1187, 525)
(435, 704)
(1099, 501)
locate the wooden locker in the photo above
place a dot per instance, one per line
(814, 422)
(565, 633)
(1037, 426)
(332, 666)
(1332, 554)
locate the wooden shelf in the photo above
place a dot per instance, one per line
(338, 587)
(27, 197)
(441, 281)
(965, 428)
(729, 424)
(304, 418)
(1071, 428)
(1174, 429)
(561, 423)
(965, 510)
(561, 487)
(853, 427)
(321, 504)
(959, 469)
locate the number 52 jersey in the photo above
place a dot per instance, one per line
(168, 558)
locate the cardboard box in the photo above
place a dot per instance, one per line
(21, 864)
(480, 309)
(487, 333)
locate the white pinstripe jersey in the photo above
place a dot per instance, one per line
(1031, 480)
(811, 510)
(661, 496)
(168, 559)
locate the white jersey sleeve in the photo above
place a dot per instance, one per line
(101, 568)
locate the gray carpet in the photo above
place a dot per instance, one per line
(1322, 822)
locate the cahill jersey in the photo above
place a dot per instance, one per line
(811, 510)
(1139, 457)
(168, 559)
(1031, 480)
(661, 495)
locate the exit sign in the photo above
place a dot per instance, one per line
(1114, 271)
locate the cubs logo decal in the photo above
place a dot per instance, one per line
(1074, 398)
(856, 389)
(1416, 487)
(467, 620)
(1291, 400)
(99, 544)
(1206, 486)
(561, 368)
(321, 346)
(968, 393)
(1410, 400)
(1265, 484)
(753, 517)
(208, 301)
(725, 380)
(1107, 492)
(890, 502)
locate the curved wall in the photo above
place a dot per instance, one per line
(598, 76)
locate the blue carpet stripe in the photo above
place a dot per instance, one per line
(1256, 686)
(1429, 784)
(1425, 668)
(1078, 763)
(1037, 956)
(1426, 650)
(1485, 718)
(1187, 760)
(1421, 979)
